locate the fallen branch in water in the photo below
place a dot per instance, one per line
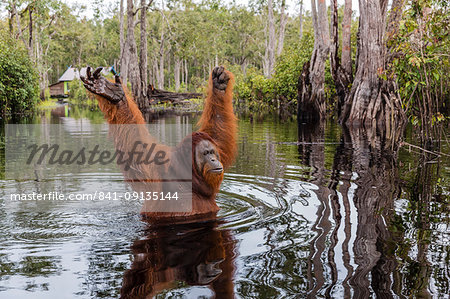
(424, 150)
(158, 96)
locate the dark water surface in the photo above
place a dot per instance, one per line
(329, 216)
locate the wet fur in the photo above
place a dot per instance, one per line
(218, 124)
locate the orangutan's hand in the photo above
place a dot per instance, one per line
(99, 85)
(220, 78)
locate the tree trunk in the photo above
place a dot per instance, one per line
(155, 72)
(30, 37)
(304, 104)
(244, 67)
(341, 80)
(311, 92)
(395, 15)
(372, 100)
(301, 20)
(182, 71)
(143, 65)
(19, 26)
(283, 21)
(12, 15)
(157, 96)
(270, 45)
(161, 70)
(122, 61)
(186, 74)
(169, 64)
(176, 72)
(161, 59)
(133, 68)
(122, 42)
(346, 40)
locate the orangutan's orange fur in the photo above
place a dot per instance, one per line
(217, 121)
(122, 114)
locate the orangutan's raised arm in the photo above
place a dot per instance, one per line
(127, 127)
(117, 106)
(218, 119)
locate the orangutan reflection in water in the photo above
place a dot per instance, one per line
(198, 254)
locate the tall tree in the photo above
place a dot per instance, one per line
(143, 61)
(283, 20)
(123, 63)
(311, 101)
(301, 20)
(373, 98)
(346, 55)
(341, 78)
(269, 56)
(134, 75)
(176, 72)
(161, 56)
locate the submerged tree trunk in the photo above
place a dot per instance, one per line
(304, 103)
(312, 94)
(143, 63)
(372, 99)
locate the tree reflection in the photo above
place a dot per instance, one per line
(362, 187)
(311, 149)
(377, 188)
(197, 254)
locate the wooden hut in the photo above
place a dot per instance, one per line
(60, 89)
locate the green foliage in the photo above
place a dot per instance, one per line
(257, 92)
(48, 104)
(253, 90)
(79, 96)
(19, 85)
(421, 62)
(47, 94)
(289, 67)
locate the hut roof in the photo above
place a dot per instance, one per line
(72, 73)
(69, 75)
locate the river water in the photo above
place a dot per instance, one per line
(306, 211)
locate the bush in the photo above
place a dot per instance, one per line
(19, 85)
(253, 89)
(256, 92)
(421, 65)
(78, 95)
